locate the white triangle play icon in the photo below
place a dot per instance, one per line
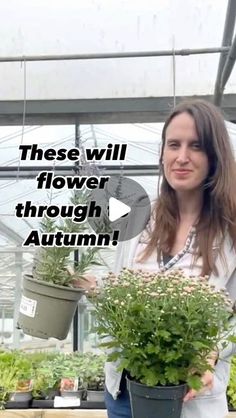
(117, 209)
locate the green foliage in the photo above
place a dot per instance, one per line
(92, 371)
(38, 357)
(162, 327)
(56, 264)
(46, 376)
(231, 391)
(46, 370)
(14, 368)
(87, 367)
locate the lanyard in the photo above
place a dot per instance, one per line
(180, 254)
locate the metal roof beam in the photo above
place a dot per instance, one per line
(112, 55)
(100, 111)
(226, 41)
(10, 233)
(229, 64)
(16, 249)
(131, 170)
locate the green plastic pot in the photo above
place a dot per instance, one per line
(47, 310)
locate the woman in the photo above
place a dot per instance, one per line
(193, 228)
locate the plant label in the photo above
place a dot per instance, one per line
(69, 401)
(28, 306)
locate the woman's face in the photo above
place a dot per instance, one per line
(185, 164)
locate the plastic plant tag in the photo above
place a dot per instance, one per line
(69, 383)
(28, 306)
(60, 402)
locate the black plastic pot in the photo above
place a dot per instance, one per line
(47, 310)
(156, 401)
(20, 396)
(49, 404)
(95, 395)
(72, 393)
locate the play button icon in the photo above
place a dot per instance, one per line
(125, 207)
(117, 209)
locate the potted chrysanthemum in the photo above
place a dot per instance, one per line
(163, 328)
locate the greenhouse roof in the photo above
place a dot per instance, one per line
(116, 61)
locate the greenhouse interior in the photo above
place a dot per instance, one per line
(94, 75)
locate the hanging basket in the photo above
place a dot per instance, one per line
(47, 310)
(156, 401)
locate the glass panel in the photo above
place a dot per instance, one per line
(61, 136)
(143, 140)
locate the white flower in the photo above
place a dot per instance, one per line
(154, 294)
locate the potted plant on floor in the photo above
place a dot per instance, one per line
(94, 377)
(58, 376)
(8, 384)
(51, 294)
(162, 329)
(71, 378)
(15, 379)
(46, 379)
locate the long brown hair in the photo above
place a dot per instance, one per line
(218, 213)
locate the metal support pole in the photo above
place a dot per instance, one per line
(18, 269)
(95, 142)
(81, 309)
(3, 325)
(75, 337)
(226, 41)
(112, 55)
(229, 64)
(76, 324)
